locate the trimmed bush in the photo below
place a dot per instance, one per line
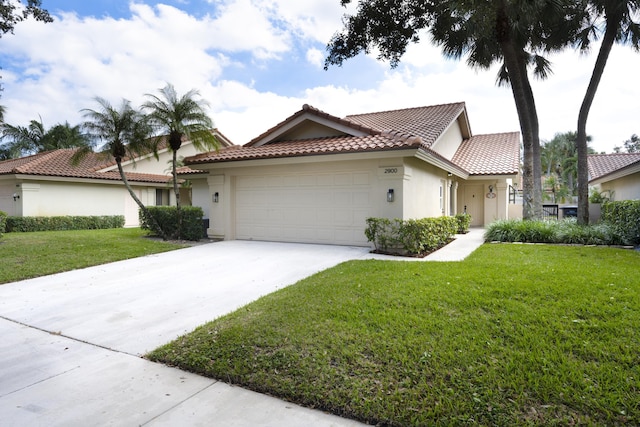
(3, 222)
(61, 223)
(624, 218)
(167, 218)
(565, 231)
(410, 237)
(464, 221)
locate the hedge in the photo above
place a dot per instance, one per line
(3, 222)
(624, 218)
(60, 223)
(410, 237)
(167, 218)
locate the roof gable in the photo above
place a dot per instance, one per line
(310, 123)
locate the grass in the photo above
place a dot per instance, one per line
(27, 255)
(514, 335)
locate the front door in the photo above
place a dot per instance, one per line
(473, 201)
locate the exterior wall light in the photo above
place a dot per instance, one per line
(216, 197)
(16, 196)
(390, 195)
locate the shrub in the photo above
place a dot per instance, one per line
(624, 218)
(3, 222)
(565, 231)
(61, 223)
(410, 237)
(464, 221)
(167, 218)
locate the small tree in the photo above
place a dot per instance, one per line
(180, 117)
(126, 133)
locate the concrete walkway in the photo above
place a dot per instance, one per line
(71, 342)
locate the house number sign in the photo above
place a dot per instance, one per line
(390, 170)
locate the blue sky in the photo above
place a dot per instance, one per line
(258, 61)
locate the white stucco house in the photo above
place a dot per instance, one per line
(48, 184)
(617, 173)
(316, 177)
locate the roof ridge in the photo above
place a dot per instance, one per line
(407, 109)
(397, 135)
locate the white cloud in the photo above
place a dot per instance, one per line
(315, 57)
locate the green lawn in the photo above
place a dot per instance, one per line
(514, 335)
(27, 255)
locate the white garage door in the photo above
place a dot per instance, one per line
(317, 208)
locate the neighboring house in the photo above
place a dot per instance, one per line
(316, 178)
(618, 174)
(48, 184)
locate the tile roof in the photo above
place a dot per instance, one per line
(426, 122)
(601, 165)
(494, 154)
(412, 128)
(308, 109)
(59, 163)
(309, 147)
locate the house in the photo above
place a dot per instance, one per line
(48, 184)
(618, 174)
(316, 177)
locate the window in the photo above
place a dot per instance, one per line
(162, 197)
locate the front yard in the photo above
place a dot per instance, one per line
(514, 335)
(27, 255)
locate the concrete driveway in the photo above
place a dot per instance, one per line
(71, 342)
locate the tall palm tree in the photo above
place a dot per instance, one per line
(619, 27)
(180, 117)
(125, 133)
(513, 32)
(23, 141)
(64, 136)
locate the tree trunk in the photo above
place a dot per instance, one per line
(176, 191)
(515, 62)
(144, 209)
(581, 140)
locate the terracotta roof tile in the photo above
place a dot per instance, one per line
(307, 147)
(601, 165)
(494, 154)
(58, 163)
(426, 122)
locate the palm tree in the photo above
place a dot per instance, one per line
(23, 141)
(619, 27)
(64, 136)
(513, 32)
(126, 133)
(180, 117)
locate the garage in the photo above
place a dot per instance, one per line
(312, 208)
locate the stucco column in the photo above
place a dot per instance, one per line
(502, 200)
(453, 191)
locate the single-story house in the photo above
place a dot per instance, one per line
(316, 177)
(618, 174)
(48, 184)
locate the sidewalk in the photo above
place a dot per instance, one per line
(71, 342)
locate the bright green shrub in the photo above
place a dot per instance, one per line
(61, 223)
(3, 222)
(565, 231)
(464, 221)
(167, 218)
(410, 237)
(624, 218)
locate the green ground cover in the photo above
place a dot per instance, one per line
(27, 255)
(514, 335)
